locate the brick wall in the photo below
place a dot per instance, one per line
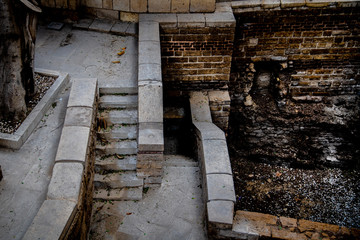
(196, 58)
(295, 85)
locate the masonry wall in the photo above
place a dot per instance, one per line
(295, 86)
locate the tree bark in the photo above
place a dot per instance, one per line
(17, 48)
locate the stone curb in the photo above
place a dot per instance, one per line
(215, 165)
(56, 215)
(16, 140)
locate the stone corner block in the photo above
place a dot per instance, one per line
(79, 116)
(53, 218)
(66, 181)
(216, 157)
(220, 212)
(199, 105)
(150, 102)
(208, 131)
(73, 145)
(220, 187)
(83, 92)
(151, 137)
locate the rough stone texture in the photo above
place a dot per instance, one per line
(121, 5)
(138, 6)
(288, 78)
(150, 103)
(66, 181)
(202, 5)
(159, 6)
(220, 108)
(52, 218)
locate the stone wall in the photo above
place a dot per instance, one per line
(295, 85)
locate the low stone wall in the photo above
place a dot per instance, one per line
(66, 212)
(217, 180)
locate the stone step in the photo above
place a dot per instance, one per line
(179, 161)
(125, 116)
(118, 132)
(115, 163)
(118, 101)
(127, 147)
(123, 194)
(125, 88)
(117, 180)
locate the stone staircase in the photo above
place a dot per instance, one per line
(116, 148)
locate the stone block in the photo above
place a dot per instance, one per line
(252, 223)
(73, 145)
(132, 29)
(292, 3)
(147, 172)
(83, 92)
(191, 20)
(149, 31)
(94, 3)
(149, 52)
(66, 181)
(199, 105)
(106, 14)
(220, 187)
(219, 96)
(270, 3)
(180, 6)
(208, 131)
(216, 157)
(121, 5)
(151, 137)
(108, 4)
(53, 218)
(101, 25)
(317, 3)
(158, 6)
(129, 17)
(223, 19)
(246, 4)
(138, 6)
(120, 28)
(150, 103)
(149, 72)
(199, 6)
(79, 116)
(166, 20)
(83, 23)
(220, 212)
(150, 157)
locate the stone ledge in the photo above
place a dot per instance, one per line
(199, 105)
(208, 131)
(79, 116)
(220, 212)
(16, 140)
(151, 137)
(149, 31)
(217, 157)
(83, 92)
(220, 187)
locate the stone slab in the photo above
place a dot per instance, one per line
(53, 218)
(220, 212)
(149, 31)
(119, 28)
(66, 181)
(83, 92)
(220, 187)
(101, 25)
(216, 157)
(180, 6)
(191, 20)
(149, 52)
(158, 6)
(83, 23)
(199, 105)
(202, 5)
(151, 137)
(223, 19)
(150, 72)
(79, 116)
(121, 5)
(73, 145)
(150, 103)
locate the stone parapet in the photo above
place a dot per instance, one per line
(66, 212)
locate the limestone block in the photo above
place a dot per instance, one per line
(83, 92)
(151, 137)
(199, 105)
(270, 3)
(220, 19)
(73, 144)
(66, 181)
(246, 4)
(150, 103)
(216, 157)
(155, 6)
(129, 17)
(208, 131)
(220, 212)
(180, 6)
(138, 6)
(94, 3)
(149, 31)
(292, 3)
(191, 20)
(202, 6)
(106, 14)
(108, 4)
(223, 7)
(52, 218)
(149, 52)
(79, 116)
(119, 28)
(121, 5)
(220, 187)
(149, 72)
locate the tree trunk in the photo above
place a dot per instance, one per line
(17, 48)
